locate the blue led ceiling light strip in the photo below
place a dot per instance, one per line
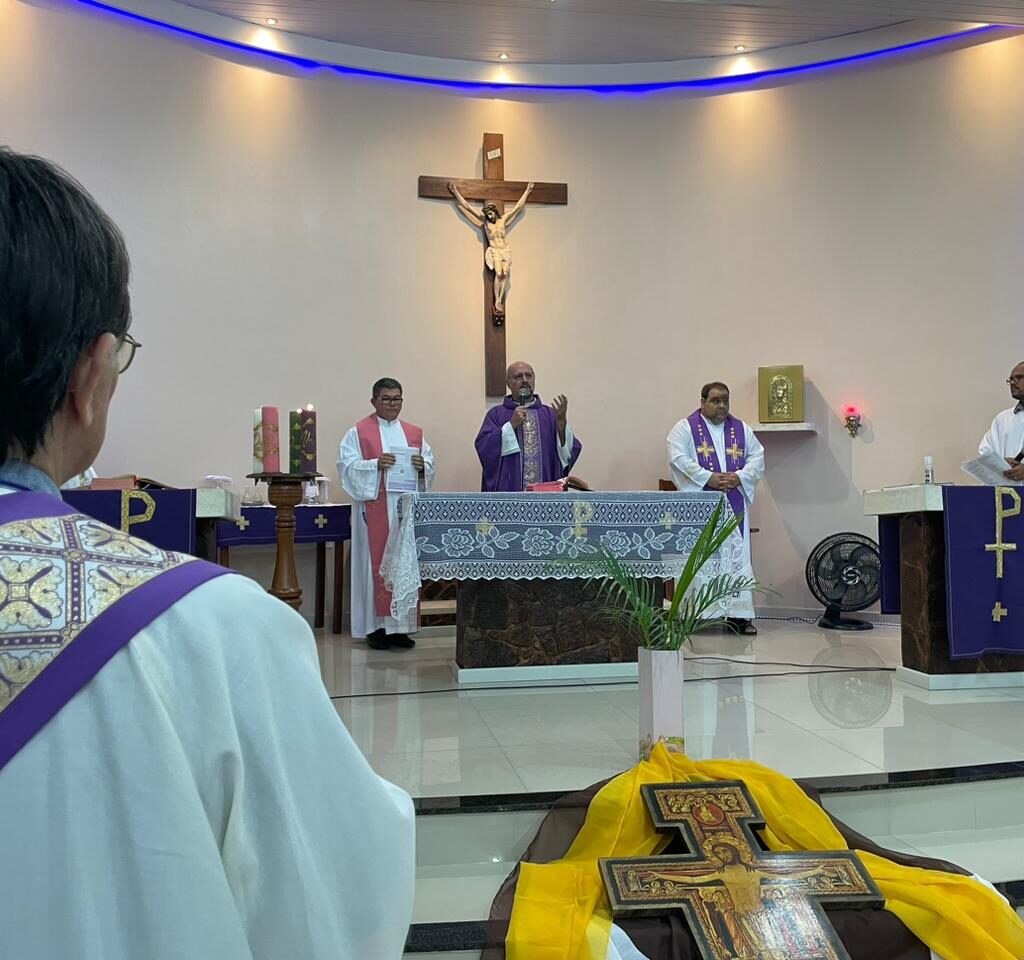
(642, 87)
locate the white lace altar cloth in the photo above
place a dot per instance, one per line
(545, 536)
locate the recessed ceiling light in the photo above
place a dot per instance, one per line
(270, 22)
(502, 56)
(739, 48)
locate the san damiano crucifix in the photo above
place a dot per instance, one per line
(493, 191)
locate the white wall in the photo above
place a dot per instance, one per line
(865, 222)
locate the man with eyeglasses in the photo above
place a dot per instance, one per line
(1006, 435)
(174, 780)
(125, 355)
(368, 458)
(713, 450)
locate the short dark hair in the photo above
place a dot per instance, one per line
(385, 383)
(708, 387)
(64, 273)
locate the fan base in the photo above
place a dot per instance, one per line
(839, 622)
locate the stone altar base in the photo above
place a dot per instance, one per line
(519, 623)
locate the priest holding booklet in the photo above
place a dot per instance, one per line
(1005, 438)
(380, 458)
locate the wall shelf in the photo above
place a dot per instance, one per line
(783, 428)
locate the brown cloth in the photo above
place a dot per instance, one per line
(866, 934)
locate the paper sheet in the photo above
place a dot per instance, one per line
(403, 477)
(989, 469)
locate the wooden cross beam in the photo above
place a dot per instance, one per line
(738, 900)
(493, 188)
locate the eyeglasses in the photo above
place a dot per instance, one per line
(126, 352)
(393, 401)
(1015, 378)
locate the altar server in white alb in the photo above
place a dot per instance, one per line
(1006, 435)
(713, 450)
(174, 780)
(381, 458)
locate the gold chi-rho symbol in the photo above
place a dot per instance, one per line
(1003, 512)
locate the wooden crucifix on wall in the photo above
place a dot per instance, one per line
(493, 191)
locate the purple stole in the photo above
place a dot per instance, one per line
(73, 592)
(735, 455)
(537, 460)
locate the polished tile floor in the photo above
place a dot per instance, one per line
(805, 701)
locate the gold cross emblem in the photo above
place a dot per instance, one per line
(243, 523)
(735, 451)
(704, 450)
(321, 521)
(998, 612)
(738, 900)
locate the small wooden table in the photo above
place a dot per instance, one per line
(320, 524)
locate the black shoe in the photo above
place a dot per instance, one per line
(378, 640)
(401, 641)
(745, 628)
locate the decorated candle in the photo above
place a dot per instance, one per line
(257, 440)
(308, 439)
(271, 440)
(294, 441)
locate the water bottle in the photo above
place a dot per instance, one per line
(929, 470)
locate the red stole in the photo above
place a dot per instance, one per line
(377, 523)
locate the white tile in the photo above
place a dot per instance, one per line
(448, 840)
(441, 773)
(995, 853)
(1000, 803)
(566, 767)
(803, 754)
(920, 810)
(456, 893)
(920, 747)
(802, 725)
(583, 721)
(867, 811)
(400, 724)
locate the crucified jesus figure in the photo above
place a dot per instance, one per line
(498, 255)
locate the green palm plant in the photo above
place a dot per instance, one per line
(639, 604)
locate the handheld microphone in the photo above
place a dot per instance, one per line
(524, 396)
(1019, 457)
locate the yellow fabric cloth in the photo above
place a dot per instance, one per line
(560, 911)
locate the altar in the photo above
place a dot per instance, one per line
(527, 605)
(952, 569)
(183, 521)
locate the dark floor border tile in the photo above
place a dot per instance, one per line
(852, 783)
(456, 935)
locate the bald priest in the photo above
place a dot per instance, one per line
(523, 441)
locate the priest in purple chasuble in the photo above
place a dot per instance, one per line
(174, 780)
(713, 450)
(522, 441)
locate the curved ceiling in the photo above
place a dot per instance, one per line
(574, 43)
(591, 31)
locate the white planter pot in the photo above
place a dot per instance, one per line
(661, 699)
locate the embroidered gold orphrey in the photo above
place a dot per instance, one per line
(741, 902)
(57, 574)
